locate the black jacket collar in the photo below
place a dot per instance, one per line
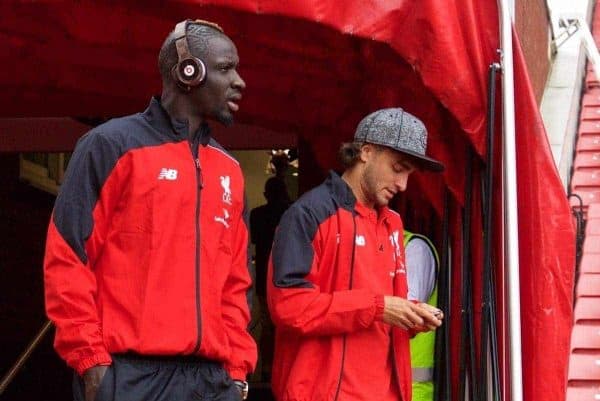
(172, 127)
(341, 190)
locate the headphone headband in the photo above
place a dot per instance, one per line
(189, 70)
(183, 51)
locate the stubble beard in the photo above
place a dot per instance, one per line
(370, 188)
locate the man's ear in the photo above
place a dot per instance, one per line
(366, 152)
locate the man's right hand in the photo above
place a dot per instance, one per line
(92, 379)
(407, 315)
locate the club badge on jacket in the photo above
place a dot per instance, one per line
(226, 197)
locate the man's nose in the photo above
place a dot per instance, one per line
(238, 82)
(402, 181)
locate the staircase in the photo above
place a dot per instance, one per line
(584, 363)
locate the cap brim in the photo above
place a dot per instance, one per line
(423, 162)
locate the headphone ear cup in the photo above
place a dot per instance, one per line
(190, 72)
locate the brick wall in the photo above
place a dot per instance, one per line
(532, 24)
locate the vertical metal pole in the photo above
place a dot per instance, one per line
(488, 346)
(466, 349)
(441, 369)
(511, 222)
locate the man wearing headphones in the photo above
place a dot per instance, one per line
(146, 268)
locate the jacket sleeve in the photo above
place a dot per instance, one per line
(73, 241)
(295, 299)
(237, 303)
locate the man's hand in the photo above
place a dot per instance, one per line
(407, 315)
(437, 314)
(92, 379)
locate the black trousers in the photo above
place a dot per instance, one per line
(141, 378)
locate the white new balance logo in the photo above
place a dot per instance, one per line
(167, 174)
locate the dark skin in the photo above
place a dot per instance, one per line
(92, 379)
(215, 99)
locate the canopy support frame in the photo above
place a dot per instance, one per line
(510, 212)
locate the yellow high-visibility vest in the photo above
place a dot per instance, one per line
(422, 346)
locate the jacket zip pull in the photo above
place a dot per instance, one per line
(199, 171)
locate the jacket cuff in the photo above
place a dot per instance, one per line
(95, 360)
(379, 307)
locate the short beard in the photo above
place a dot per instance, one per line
(370, 186)
(225, 118)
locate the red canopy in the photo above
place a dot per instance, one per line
(315, 67)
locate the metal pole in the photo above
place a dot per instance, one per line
(466, 348)
(511, 222)
(441, 369)
(24, 356)
(488, 307)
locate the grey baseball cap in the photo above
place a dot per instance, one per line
(399, 130)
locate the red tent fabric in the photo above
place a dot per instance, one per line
(316, 67)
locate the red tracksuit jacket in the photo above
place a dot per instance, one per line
(147, 247)
(325, 312)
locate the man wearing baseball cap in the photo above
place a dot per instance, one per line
(337, 277)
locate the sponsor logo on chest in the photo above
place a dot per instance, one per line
(223, 219)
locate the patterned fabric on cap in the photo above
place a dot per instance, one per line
(399, 130)
(394, 128)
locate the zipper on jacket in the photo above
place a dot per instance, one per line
(339, 386)
(199, 184)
